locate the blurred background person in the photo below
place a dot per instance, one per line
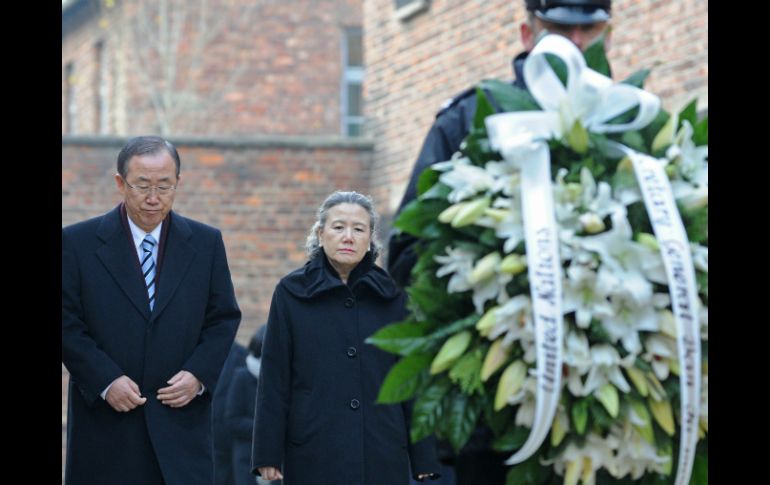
(221, 435)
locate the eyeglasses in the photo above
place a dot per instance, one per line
(147, 189)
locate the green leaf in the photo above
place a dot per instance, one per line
(419, 214)
(579, 413)
(595, 56)
(512, 439)
(403, 379)
(700, 134)
(426, 180)
(700, 468)
(508, 96)
(467, 372)
(464, 411)
(483, 109)
(637, 79)
(528, 472)
(689, 113)
(399, 338)
(427, 409)
(697, 224)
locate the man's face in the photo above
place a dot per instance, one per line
(143, 171)
(580, 35)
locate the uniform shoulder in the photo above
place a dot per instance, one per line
(455, 101)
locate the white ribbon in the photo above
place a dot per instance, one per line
(521, 138)
(677, 259)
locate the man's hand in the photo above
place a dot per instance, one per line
(124, 395)
(270, 473)
(183, 389)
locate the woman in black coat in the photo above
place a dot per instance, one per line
(316, 420)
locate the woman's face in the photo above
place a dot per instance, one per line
(346, 236)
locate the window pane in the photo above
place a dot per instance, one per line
(354, 128)
(355, 48)
(354, 100)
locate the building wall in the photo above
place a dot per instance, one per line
(268, 67)
(415, 65)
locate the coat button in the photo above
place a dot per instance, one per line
(349, 302)
(352, 352)
(355, 404)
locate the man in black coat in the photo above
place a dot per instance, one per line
(581, 21)
(148, 317)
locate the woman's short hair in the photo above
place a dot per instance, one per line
(313, 246)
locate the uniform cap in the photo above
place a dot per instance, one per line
(572, 12)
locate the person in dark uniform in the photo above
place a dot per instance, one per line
(220, 434)
(581, 21)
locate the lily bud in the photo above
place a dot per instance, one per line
(484, 268)
(572, 472)
(450, 212)
(510, 383)
(452, 349)
(608, 396)
(499, 215)
(577, 137)
(648, 240)
(496, 356)
(588, 471)
(645, 426)
(663, 414)
(656, 388)
(667, 323)
(591, 223)
(513, 264)
(485, 323)
(625, 165)
(559, 428)
(638, 379)
(468, 214)
(665, 136)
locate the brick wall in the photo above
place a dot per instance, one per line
(414, 65)
(272, 66)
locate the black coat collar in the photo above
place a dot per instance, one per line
(318, 276)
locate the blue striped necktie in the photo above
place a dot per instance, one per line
(148, 267)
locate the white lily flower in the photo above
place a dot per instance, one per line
(584, 296)
(514, 321)
(583, 461)
(617, 250)
(577, 357)
(597, 199)
(491, 288)
(605, 368)
(459, 263)
(691, 161)
(661, 354)
(637, 456)
(511, 227)
(700, 257)
(466, 181)
(630, 298)
(525, 398)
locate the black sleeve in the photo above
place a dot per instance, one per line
(443, 140)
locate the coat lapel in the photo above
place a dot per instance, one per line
(178, 254)
(119, 258)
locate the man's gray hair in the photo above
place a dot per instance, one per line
(313, 246)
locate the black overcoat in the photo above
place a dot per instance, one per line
(108, 331)
(316, 416)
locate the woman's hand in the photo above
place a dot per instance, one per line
(270, 473)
